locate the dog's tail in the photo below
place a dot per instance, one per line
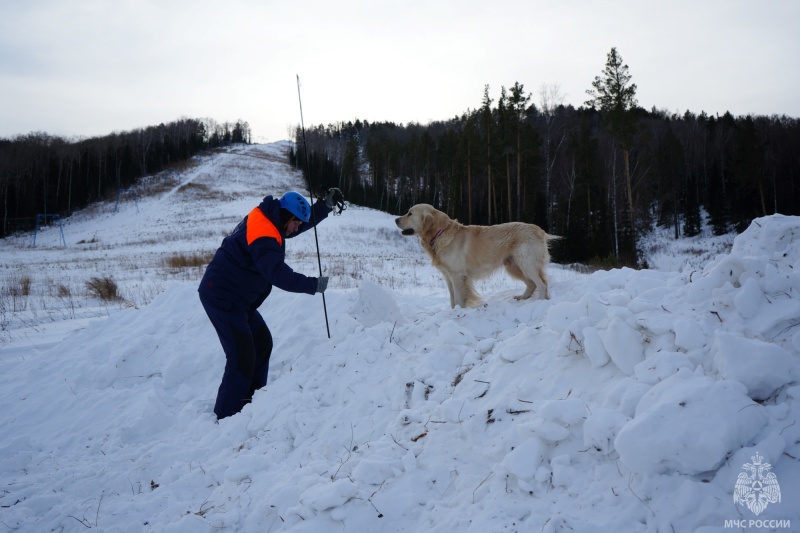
(549, 240)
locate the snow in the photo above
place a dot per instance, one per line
(627, 402)
(760, 366)
(664, 435)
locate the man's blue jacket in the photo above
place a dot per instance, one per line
(251, 259)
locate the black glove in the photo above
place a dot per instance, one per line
(334, 198)
(322, 283)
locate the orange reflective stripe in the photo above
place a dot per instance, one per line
(258, 225)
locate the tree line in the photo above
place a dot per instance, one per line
(600, 175)
(42, 174)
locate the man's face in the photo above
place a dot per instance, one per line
(292, 226)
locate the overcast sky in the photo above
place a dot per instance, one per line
(90, 67)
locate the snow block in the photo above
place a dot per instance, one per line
(570, 411)
(519, 346)
(550, 431)
(525, 459)
(771, 448)
(625, 395)
(661, 366)
(375, 470)
(593, 348)
(762, 367)
(749, 298)
(688, 424)
(562, 314)
(326, 495)
(564, 474)
(601, 428)
(688, 334)
(375, 305)
(721, 275)
(624, 345)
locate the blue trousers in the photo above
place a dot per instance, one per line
(247, 343)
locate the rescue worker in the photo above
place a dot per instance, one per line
(239, 278)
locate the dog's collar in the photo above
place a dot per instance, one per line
(436, 236)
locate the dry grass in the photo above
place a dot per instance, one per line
(156, 187)
(199, 191)
(104, 288)
(14, 297)
(21, 286)
(183, 166)
(267, 156)
(188, 260)
(17, 286)
(165, 180)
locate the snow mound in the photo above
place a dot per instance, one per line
(628, 402)
(773, 238)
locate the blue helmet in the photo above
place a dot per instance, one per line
(296, 205)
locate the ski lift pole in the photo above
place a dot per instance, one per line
(311, 193)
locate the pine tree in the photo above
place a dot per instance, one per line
(692, 222)
(615, 96)
(519, 106)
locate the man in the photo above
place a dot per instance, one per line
(239, 278)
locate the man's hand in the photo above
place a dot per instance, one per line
(322, 283)
(334, 198)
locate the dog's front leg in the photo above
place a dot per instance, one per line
(460, 292)
(450, 290)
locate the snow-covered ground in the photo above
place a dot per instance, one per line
(631, 401)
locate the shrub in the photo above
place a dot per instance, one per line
(605, 263)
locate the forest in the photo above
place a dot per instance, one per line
(43, 175)
(600, 175)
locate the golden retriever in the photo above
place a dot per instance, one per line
(466, 253)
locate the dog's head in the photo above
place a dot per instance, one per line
(421, 220)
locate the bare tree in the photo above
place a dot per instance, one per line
(550, 99)
(486, 112)
(143, 138)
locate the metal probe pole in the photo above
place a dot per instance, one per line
(311, 193)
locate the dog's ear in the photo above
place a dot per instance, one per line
(440, 220)
(426, 222)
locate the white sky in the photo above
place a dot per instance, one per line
(90, 67)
